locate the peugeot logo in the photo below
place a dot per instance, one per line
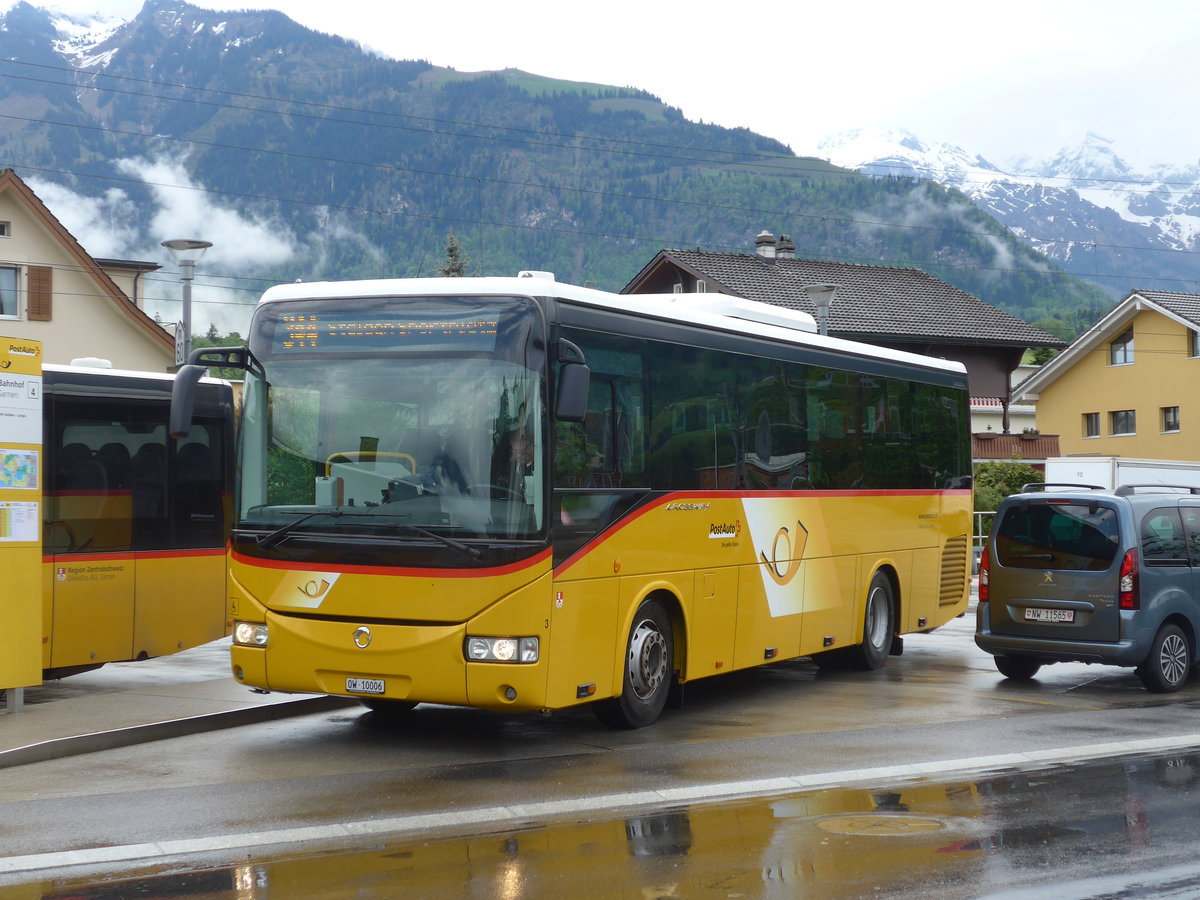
(362, 637)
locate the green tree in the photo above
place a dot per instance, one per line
(455, 265)
(996, 480)
(212, 339)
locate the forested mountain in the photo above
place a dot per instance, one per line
(360, 166)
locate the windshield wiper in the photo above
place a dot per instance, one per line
(466, 549)
(268, 542)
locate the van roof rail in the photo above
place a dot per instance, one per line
(1043, 485)
(1126, 489)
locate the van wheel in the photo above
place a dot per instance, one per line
(1018, 668)
(1166, 667)
(649, 670)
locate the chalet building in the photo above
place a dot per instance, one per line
(904, 309)
(53, 291)
(1126, 386)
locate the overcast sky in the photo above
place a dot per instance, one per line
(1025, 77)
(1022, 78)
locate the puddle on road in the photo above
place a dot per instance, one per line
(953, 839)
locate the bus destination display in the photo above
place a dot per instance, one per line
(323, 333)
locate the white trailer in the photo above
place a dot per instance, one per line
(1113, 471)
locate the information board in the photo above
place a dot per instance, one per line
(20, 512)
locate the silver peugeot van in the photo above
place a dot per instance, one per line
(1080, 573)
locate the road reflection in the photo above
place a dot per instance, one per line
(1081, 831)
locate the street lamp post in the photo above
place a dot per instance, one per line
(822, 297)
(185, 253)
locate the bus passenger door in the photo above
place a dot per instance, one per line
(87, 543)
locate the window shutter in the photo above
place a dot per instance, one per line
(40, 293)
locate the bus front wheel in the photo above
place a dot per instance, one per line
(648, 671)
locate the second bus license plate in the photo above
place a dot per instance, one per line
(365, 686)
(1034, 614)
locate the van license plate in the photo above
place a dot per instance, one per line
(1034, 614)
(365, 686)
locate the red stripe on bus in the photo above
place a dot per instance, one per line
(692, 496)
(134, 555)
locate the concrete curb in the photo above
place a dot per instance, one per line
(75, 745)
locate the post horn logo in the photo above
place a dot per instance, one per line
(785, 549)
(314, 590)
(362, 637)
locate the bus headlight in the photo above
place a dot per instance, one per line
(250, 634)
(505, 650)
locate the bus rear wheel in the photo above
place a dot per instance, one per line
(648, 671)
(879, 625)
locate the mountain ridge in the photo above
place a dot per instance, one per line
(1085, 207)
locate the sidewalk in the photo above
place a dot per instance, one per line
(128, 703)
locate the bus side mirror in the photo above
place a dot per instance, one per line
(183, 400)
(572, 395)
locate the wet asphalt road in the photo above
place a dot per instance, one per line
(348, 778)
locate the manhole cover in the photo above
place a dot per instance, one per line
(879, 825)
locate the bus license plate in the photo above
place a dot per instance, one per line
(1034, 614)
(365, 686)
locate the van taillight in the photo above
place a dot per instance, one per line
(1127, 591)
(983, 576)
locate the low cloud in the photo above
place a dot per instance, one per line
(115, 225)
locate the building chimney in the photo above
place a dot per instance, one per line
(764, 244)
(785, 249)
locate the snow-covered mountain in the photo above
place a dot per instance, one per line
(1085, 208)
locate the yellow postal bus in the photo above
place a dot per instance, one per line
(516, 494)
(134, 522)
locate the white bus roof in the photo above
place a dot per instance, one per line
(719, 311)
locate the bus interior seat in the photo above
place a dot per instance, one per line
(194, 462)
(87, 475)
(70, 455)
(149, 482)
(423, 445)
(467, 457)
(115, 458)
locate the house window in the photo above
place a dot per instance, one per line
(9, 302)
(1120, 351)
(701, 286)
(1122, 421)
(5, 229)
(1193, 342)
(1170, 418)
(1091, 424)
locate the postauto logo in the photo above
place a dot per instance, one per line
(724, 530)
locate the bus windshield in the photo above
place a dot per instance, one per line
(395, 417)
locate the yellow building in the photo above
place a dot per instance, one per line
(1126, 386)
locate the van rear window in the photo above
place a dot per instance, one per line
(1079, 536)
